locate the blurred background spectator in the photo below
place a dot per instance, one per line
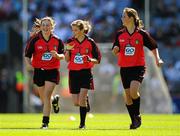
(105, 18)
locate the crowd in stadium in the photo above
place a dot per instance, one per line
(105, 16)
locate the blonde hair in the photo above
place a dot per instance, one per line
(37, 23)
(36, 27)
(82, 25)
(133, 13)
(52, 21)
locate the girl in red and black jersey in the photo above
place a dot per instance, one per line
(43, 53)
(81, 54)
(128, 47)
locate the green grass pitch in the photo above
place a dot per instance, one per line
(96, 125)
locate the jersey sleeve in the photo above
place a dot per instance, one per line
(61, 47)
(116, 41)
(29, 50)
(148, 41)
(95, 51)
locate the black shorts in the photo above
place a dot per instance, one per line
(41, 75)
(132, 73)
(80, 79)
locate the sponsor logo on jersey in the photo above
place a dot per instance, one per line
(129, 51)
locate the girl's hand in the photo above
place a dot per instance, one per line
(159, 62)
(54, 53)
(86, 58)
(115, 50)
(69, 47)
(29, 67)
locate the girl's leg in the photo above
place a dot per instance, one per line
(83, 105)
(41, 93)
(129, 104)
(75, 98)
(49, 87)
(134, 92)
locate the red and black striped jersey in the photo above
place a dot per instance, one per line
(39, 49)
(131, 47)
(86, 47)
